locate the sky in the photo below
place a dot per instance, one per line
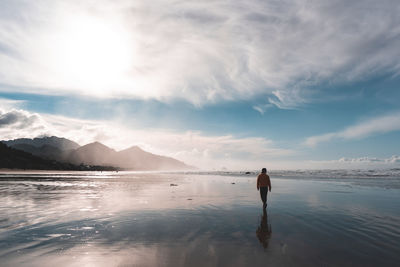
(219, 84)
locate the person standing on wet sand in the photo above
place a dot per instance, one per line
(263, 184)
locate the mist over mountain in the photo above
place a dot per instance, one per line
(93, 153)
(138, 159)
(54, 141)
(133, 158)
(67, 151)
(11, 158)
(52, 148)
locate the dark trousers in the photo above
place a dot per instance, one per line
(263, 194)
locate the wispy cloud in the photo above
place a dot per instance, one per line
(192, 147)
(392, 159)
(377, 125)
(355, 163)
(262, 108)
(10, 103)
(196, 50)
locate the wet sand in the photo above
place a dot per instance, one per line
(152, 219)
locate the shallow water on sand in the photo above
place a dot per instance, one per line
(153, 219)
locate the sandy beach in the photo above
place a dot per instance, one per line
(213, 219)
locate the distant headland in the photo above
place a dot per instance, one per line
(55, 153)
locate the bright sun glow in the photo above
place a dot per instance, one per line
(92, 53)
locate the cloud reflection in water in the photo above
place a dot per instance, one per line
(139, 219)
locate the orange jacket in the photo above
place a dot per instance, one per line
(263, 180)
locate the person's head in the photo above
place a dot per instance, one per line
(264, 170)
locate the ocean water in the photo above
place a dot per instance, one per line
(313, 218)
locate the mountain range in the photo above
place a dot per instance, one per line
(11, 158)
(66, 151)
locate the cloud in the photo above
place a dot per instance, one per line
(262, 108)
(19, 123)
(393, 159)
(10, 103)
(199, 51)
(192, 147)
(356, 164)
(361, 162)
(9, 118)
(378, 125)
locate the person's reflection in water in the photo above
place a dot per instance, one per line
(264, 231)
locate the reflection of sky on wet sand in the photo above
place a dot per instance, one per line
(140, 219)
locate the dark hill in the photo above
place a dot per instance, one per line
(54, 141)
(44, 151)
(11, 158)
